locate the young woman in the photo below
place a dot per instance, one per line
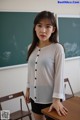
(45, 84)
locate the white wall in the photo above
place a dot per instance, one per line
(14, 79)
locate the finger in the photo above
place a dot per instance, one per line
(63, 112)
(59, 113)
(50, 109)
(28, 100)
(25, 98)
(66, 109)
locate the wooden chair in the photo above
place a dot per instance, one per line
(20, 114)
(67, 96)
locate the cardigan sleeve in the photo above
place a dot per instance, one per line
(58, 91)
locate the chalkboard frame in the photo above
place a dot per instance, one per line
(59, 16)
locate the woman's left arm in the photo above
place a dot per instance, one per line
(58, 90)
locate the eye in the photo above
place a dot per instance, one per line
(39, 25)
(48, 26)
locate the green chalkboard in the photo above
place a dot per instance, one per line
(15, 36)
(69, 35)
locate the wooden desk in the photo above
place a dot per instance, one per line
(73, 106)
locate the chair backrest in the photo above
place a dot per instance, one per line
(67, 96)
(13, 96)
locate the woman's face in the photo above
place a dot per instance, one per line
(44, 29)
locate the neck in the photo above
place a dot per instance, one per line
(43, 44)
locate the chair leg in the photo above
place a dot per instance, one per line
(30, 117)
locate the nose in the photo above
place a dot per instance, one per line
(43, 29)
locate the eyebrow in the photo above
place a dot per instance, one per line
(46, 24)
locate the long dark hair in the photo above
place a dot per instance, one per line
(53, 37)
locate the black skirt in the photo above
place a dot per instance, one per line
(37, 107)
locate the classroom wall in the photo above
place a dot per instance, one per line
(14, 79)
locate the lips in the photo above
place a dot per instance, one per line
(42, 36)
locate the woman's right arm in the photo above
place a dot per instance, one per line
(27, 95)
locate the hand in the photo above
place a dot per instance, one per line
(27, 95)
(57, 105)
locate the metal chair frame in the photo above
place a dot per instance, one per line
(67, 96)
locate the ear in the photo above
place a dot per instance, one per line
(35, 28)
(54, 29)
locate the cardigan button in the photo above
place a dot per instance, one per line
(34, 86)
(35, 97)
